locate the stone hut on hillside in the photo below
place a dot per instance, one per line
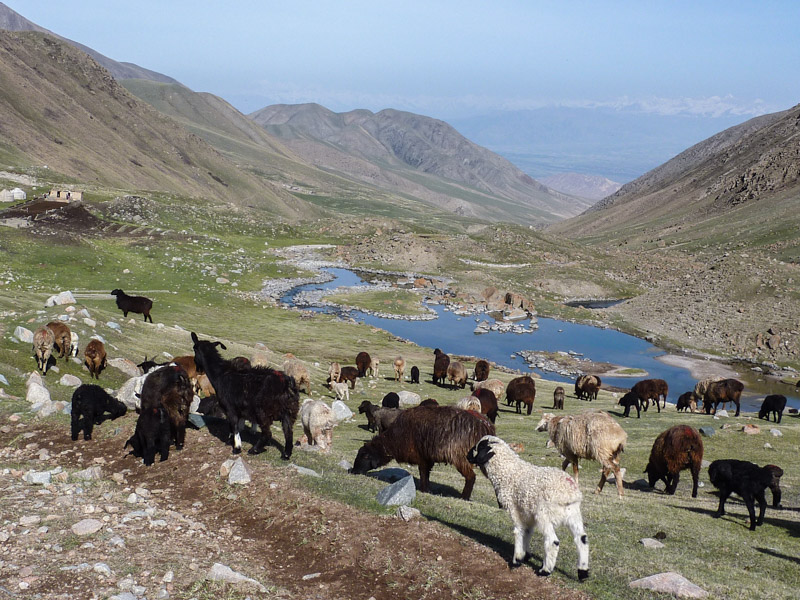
(65, 195)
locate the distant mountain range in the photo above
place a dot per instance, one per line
(591, 187)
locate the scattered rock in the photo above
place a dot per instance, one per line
(220, 572)
(408, 398)
(305, 471)
(70, 380)
(651, 543)
(721, 413)
(391, 475)
(87, 527)
(776, 432)
(311, 576)
(407, 513)
(751, 429)
(38, 477)
(23, 334)
(341, 410)
(399, 493)
(37, 394)
(114, 325)
(29, 520)
(707, 431)
(90, 322)
(345, 465)
(126, 366)
(60, 299)
(240, 472)
(670, 583)
(93, 473)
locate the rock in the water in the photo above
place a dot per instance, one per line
(240, 472)
(340, 410)
(707, 431)
(751, 429)
(408, 398)
(651, 543)
(399, 493)
(23, 334)
(37, 394)
(407, 513)
(87, 527)
(70, 380)
(220, 572)
(59, 299)
(126, 366)
(670, 583)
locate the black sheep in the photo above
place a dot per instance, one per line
(774, 404)
(628, 400)
(391, 400)
(687, 401)
(134, 304)
(152, 434)
(169, 387)
(89, 405)
(749, 481)
(415, 374)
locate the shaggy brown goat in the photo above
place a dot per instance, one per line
(348, 374)
(170, 388)
(521, 390)
(679, 447)
(94, 357)
(481, 372)
(457, 375)
(687, 401)
(62, 337)
(43, 340)
(440, 364)
(558, 398)
(363, 361)
(587, 387)
(488, 403)
(424, 436)
(727, 390)
(650, 389)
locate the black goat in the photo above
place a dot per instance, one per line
(749, 481)
(169, 387)
(259, 394)
(152, 434)
(134, 304)
(775, 403)
(89, 405)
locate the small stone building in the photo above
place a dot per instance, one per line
(65, 195)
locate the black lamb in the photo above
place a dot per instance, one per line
(134, 304)
(775, 403)
(749, 481)
(90, 403)
(152, 434)
(628, 400)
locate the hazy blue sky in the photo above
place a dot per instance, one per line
(453, 58)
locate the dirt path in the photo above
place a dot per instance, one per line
(163, 527)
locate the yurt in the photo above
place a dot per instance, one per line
(6, 196)
(19, 194)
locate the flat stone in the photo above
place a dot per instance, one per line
(87, 527)
(240, 472)
(225, 468)
(23, 334)
(114, 325)
(651, 543)
(90, 322)
(92, 473)
(60, 299)
(29, 520)
(197, 420)
(38, 477)
(70, 380)
(407, 513)
(721, 413)
(408, 398)
(391, 475)
(305, 471)
(220, 572)
(706, 431)
(343, 464)
(399, 493)
(341, 410)
(103, 569)
(670, 583)
(126, 366)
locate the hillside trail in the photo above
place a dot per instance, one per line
(163, 527)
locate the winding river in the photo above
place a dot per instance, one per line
(455, 335)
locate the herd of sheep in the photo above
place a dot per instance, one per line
(424, 434)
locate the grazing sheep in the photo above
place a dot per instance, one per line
(378, 417)
(348, 374)
(679, 447)
(424, 436)
(374, 366)
(368, 409)
(521, 390)
(73, 348)
(152, 434)
(774, 403)
(495, 385)
(628, 400)
(293, 367)
(391, 400)
(318, 423)
(169, 387)
(469, 403)
(650, 389)
(749, 481)
(440, 364)
(334, 371)
(399, 368)
(558, 398)
(587, 387)
(481, 372)
(134, 304)
(540, 497)
(415, 375)
(591, 435)
(341, 390)
(727, 390)
(457, 375)
(89, 405)
(701, 387)
(687, 401)
(260, 394)
(62, 337)
(94, 357)
(43, 340)
(363, 361)
(488, 403)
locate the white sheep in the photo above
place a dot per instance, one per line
(374, 365)
(318, 422)
(469, 403)
(594, 435)
(342, 390)
(541, 497)
(494, 385)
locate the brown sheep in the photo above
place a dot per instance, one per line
(687, 401)
(521, 390)
(204, 386)
(424, 436)
(727, 390)
(295, 368)
(363, 361)
(457, 375)
(62, 336)
(94, 357)
(43, 340)
(497, 387)
(558, 398)
(701, 386)
(348, 374)
(333, 372)
(649, 389)
(587, 387)
(440, 364)
(481, 372)
(679, 447)
(399, 368)
(488, 403)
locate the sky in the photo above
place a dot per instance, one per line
(454, 59)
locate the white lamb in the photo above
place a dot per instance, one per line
(342, 390)
(541, 497)
(318, 422)
(73, 348)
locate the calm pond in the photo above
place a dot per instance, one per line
(455, 335)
